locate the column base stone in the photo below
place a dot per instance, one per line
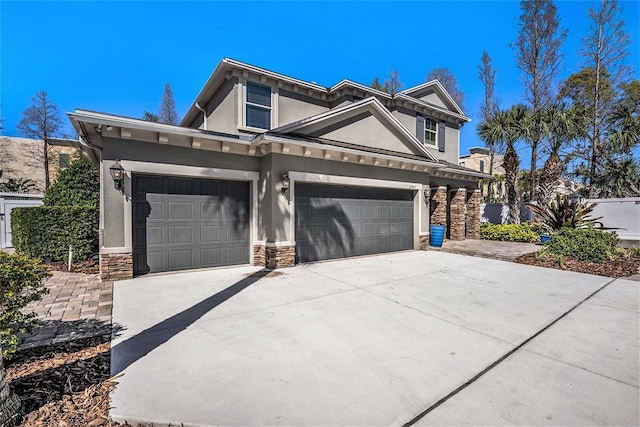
(116, 266)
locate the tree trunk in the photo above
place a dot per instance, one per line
(46, 165)
(511, 163)
(550, 174)
(10, 405)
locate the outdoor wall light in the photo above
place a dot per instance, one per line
(117, 174)
(285, 181)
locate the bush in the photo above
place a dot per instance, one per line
(47, 231)
(509, 233)
(21, 282)
(586, 244)
(76, 186)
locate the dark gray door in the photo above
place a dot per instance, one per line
(181, 223)
(336, 222)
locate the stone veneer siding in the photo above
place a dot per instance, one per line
(116, 266)
(423, 243)
(457, 214)
(438, 206)
(274, 256)
(473, 215)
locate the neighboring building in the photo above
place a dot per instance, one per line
(22, 158)
(479, 160)
(272, 170)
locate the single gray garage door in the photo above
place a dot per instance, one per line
(336, 222)
(181, 223)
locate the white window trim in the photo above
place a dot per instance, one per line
(131, 167)
(242, 106)
(435, 132)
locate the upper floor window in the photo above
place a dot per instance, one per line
(481, 165)
(258, 106)
(63, 160)
(430, 131)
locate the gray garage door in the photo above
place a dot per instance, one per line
(336, 222)
(180, 224)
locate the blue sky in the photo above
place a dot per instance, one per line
(115, 57)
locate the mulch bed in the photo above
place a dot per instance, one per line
(86, 267)
(65, 384)
(620, 266)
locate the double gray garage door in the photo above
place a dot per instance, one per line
(182, 223)
(336, 222)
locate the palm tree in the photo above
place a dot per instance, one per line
(561, 124)
(507, 126)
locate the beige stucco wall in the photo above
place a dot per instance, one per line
(222, 109)
(432, 98)
(294, 106)
(22, 158)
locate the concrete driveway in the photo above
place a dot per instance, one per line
(411, 337)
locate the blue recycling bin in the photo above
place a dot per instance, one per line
(436, 235)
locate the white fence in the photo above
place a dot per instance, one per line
(622, 215)
(9, 201)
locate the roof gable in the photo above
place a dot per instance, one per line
(432, 92)
(366, 123)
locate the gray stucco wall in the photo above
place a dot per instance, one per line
(113, 206)
(295, 106)
(432, 98)
(368, 130)
(222, 108)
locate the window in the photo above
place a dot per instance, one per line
(258, 106)
(430, 131)
(63, 160)
(481, 165)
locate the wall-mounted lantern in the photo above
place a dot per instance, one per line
(285, 181)
(117, 174)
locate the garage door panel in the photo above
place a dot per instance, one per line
(211, 211)
(189, 223)
(335, 222)
(181, 211)
(180, 259)
(212, 257)
(180, 235)
(211, 233)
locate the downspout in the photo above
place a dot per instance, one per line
(204, 115)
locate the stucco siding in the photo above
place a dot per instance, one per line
(294, 106)
(222, 108)
(432, 98)
(368, 130)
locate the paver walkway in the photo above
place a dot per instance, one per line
(505, 251)
(77, 306)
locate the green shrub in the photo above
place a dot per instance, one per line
(21, 282)
(586, 244)
(508, 233)
(77, 185)
(47, 231)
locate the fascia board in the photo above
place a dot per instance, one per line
(230, 64)
(465, 173)
(433, 107)
(276, 76)
(266, 139)
(350, 83)
(438, 86)
(83, 116)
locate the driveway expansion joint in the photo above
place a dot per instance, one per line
(480, 374)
